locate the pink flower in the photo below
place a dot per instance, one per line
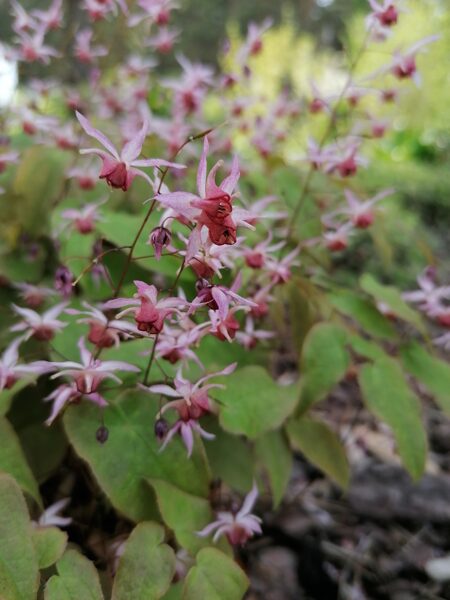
(431, 298)
(149, 313)
(386, 13)
(11, 371)
(336, 238)
(83, 49)
(84, 219)
(41, 327)
(98, 9)
(86, 177)
(404, 65)
(50, 516)
(90, 372)
(186, 429)
(32, 47)
(33, 295)
(191, 398)
(52, 17)
(280, 270)
(163, 40)
(8, 158)
(251, 336)
(177, 343)
(22, 20)
(119, 170)
(257, 257)
(212, 208)
(239, 526)
(156, 10)
(103, 332)
(361, 212)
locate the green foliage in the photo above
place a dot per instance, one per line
(363, 312)
(19, 575)
(146, 567)
(225, 453)
(321, 446)
(389, 397)
(433, 372)
(49, 545)
(323, 363)
(274, 454)
(12, 461)
(77, 578)
(132, 454)
(253, 403)
(184, 513)
(391, 297)
(216, 577)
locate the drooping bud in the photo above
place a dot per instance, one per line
(63, 281)
(160, 238)
(102, 434)
(161, 428)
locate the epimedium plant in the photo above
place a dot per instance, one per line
(178, 320)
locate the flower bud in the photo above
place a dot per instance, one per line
(102, 434)
(160, 238)
(161, 429)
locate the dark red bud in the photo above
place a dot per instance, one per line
(102, 434)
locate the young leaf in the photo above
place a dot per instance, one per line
(77, 578)
(184, 513)
(321, 446)
(364, 312)
(389, 397)
(390, 296)
(146, 567)
(225, 453)
(132, 455)
(19, 574)
(215, 577)
(49, 545)
(253, 403)
(433, 372)
(323, 363)
(275, 456)
(12, 461)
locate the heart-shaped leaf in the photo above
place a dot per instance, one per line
(131, 455)
(215, 577)
(253, 403)
(389, 397)
(146, 566)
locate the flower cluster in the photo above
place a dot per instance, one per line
(222, 250)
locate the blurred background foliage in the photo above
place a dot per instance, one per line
(311, 38)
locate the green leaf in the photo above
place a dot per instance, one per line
(364, 347)
(389, 397)
(253, 403)
(275, 456)
(392, 297)
(49, 545)
(77, 579)
(433, 372)
(146, 567)
(184, 513)
(6, 396)
(364, 312)
(19, 574)
(225, 452)
(321, 446)
(215, 577)
(323, 363)
(132, 455)
(12, 461)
